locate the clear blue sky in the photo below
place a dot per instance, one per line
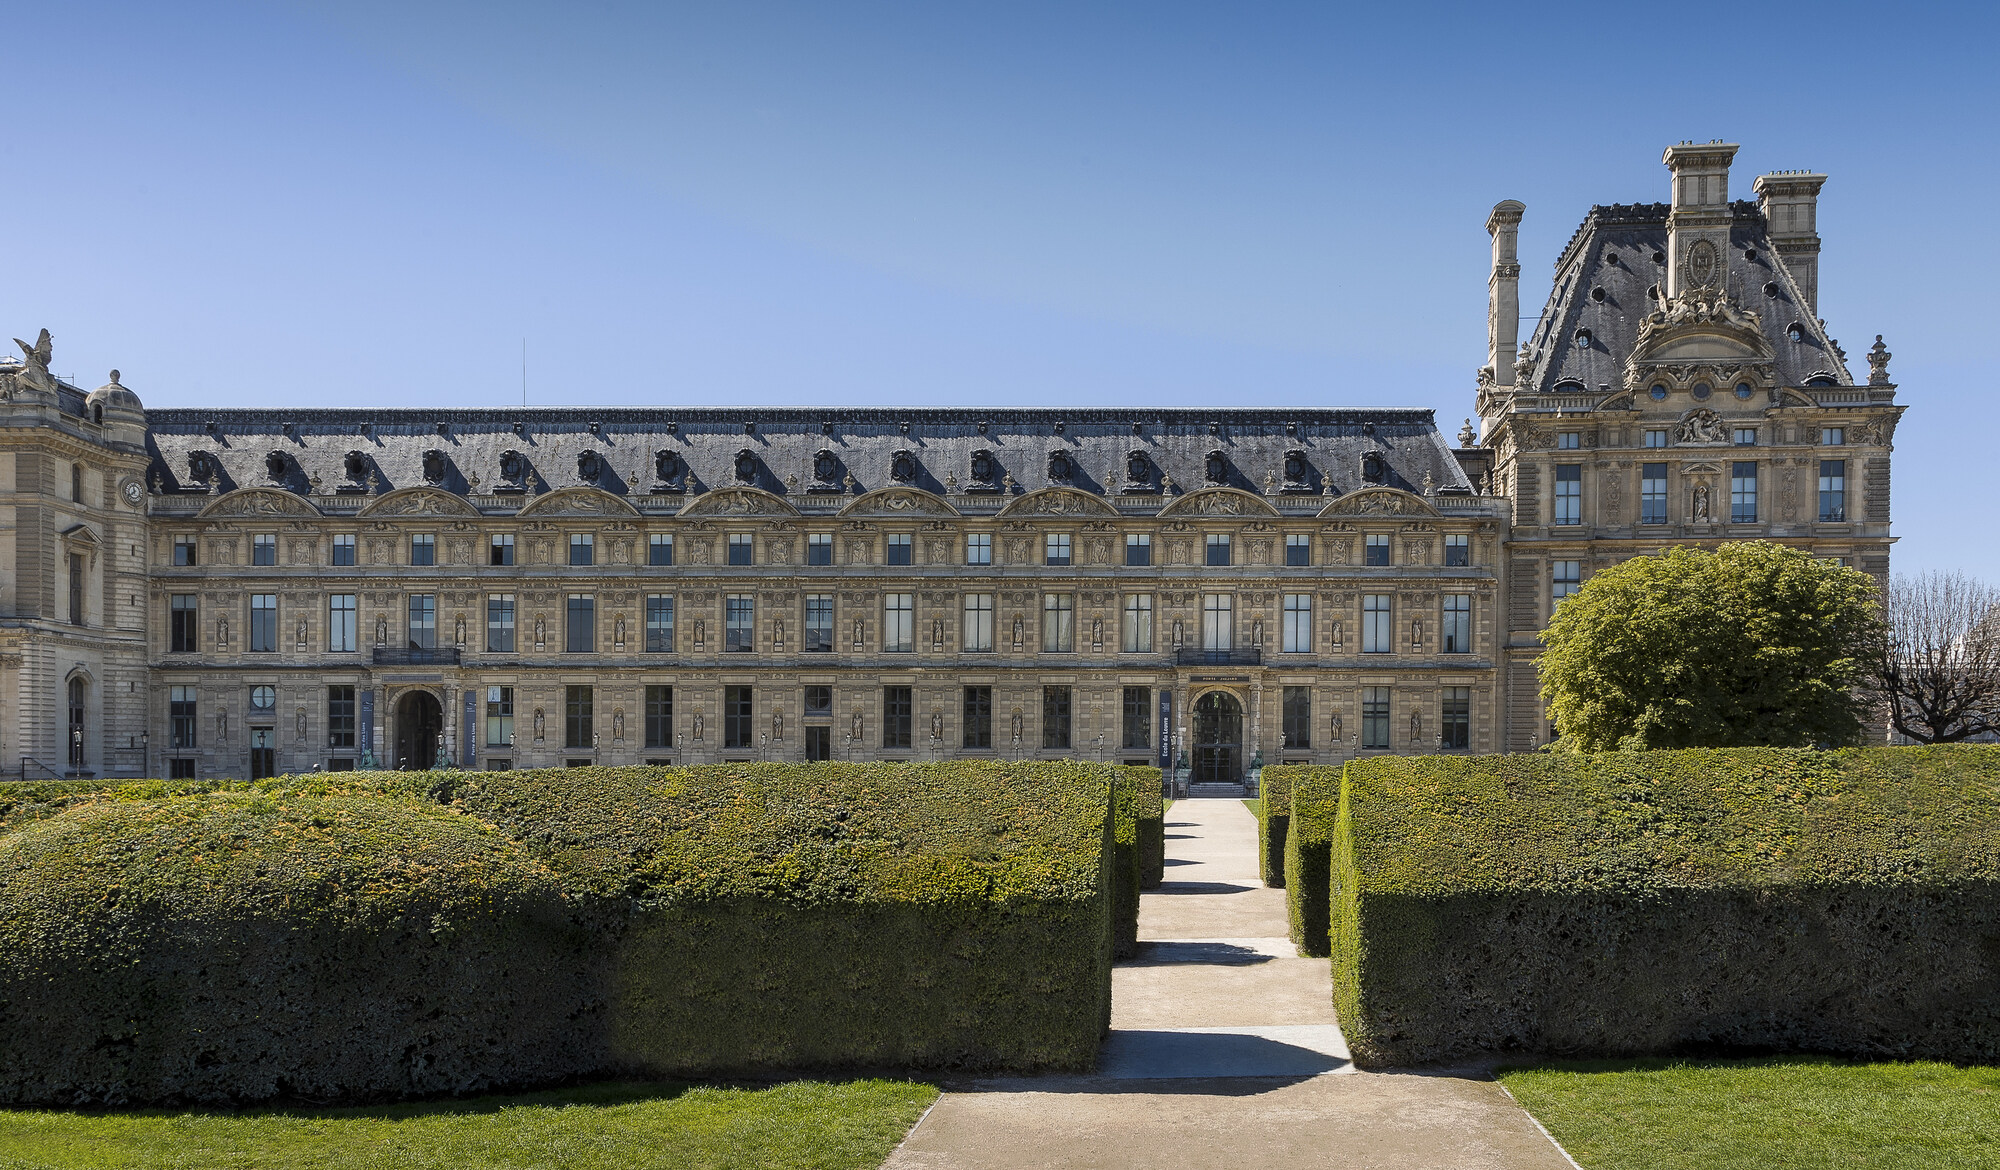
(373, 204)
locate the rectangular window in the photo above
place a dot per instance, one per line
(1375, 718)
(1569, 493)
(819, 702)
(422, 626)
(742, 548)
(423, 549)
(343, 626)
(1298, 633)
(900, 551)
(1565, 578)
(582, 548)
(1298, 719)
(1455, 637)
(263, 623)
(1652, 493)
(1455, 719)
(75, 589)
(76, 483)
(1746, 436)
(1058, 623)
(898, 622)
(500, 549)
(1569, 440)
(819, 744)
(978, 623)
(1055, 548)
(1832, 490)
(819, 623)
(500, 622)
(1376, 550)
(1218, 549)
(581, 629)
(819, 548)
(737, 731)
(1656, 438)
(184, 553)
(1457, 551)
(978, 721)
(184, 769)
(1136, 723)
(978, 548)
(1377, 629)
(264, 549)
(181, 717)
(739, 623)
(1298, 550)
(340, 717)
(579, 717)
(1833, 436)
(343, 548)
(499, 716)
(185, 623)
(1742, 493)
(1138, 631)
(896, 718)
(1138, 550)
(659, 624)
(660, 549)
(1218, 622)
(659, 717)
(1055, 718)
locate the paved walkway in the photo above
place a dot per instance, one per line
(1224, 1052)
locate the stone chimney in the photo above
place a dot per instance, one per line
(1503, 291)
(1790, 200)
(1698, 225)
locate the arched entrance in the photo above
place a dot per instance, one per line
(75, 737)
(1218, 739)
(419, 722)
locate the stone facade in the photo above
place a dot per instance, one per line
(233, 593)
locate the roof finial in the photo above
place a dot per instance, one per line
(1878, 363)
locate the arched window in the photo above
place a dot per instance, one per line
(76, 725)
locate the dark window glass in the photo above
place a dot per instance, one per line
(819, 744)
(1298, 718)
(819, 623)
(1137, 725)
(660, 549)
(1457, 551)
(264, 550)
(1055, 718)
(1218, 550)
(1833, 490)
(819, 700)
(1455, 719)
(423, 621)
(264, 623)
(184, 769)
(736, 720)
(343, 549)
(186, 623)
(659, 624)
(582, 631)
(500, 622)
(742, 549)
(1375, 718)
(1138, 550)
(1569, 493)
(181, 717)
(659, 717)
(895, 717)
(340, 717)
(1377, 550)
(579, 716)
(184, 553)
(75, 589)
(1652, 493)
(500, 550)
(978, 718)
(1742, 493)
(423, 549)
(739, 625)
(819, 548)
(582, 548)
(499, 718)
(899, 548)
(1298, 550)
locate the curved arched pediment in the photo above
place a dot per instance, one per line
(579, 501)
(898, 501)
(737, 501)
(417, 501)
(1379, 501)
(1058, 501)
(1219, 501)
(258, 501)
(1705, 347)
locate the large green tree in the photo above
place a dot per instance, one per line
(1749, 644)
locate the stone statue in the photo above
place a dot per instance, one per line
(937, 632)
(539, 724)
(937, 725)
(35, 372)
(381, 630)
(222, 630)
(301, 639)
(617, 630)
(1336, 638)
(299, 733)
(1417, 632)
(222, 725)
(1177, 633)
(777, 725)
(1097, 629)
(1701, 426)
(697, 726)
(778, 630)
(1257, 632)
(618, 725)
(1416, 725)
(1017, 727)
(458, 630)
(541, 629)
(700, 631)
(1701, 504)
(857, 631)
(1336, 728)
(1020, 630)
(854, 732)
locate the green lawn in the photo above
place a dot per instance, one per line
(802, 1124)
(1256, 806)
(1782, 1112)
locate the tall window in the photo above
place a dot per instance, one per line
(579, 717)
(739, 623)
(1652, 493)
(423, 549)
(1375, 549)
(1375, 718)
(659, 624)
(1298, 718)
(343, 548)
(819, 623)
(737, 731)
(499, 716)
(819, 548)
(1298, 635)
(1832, 490)
(1055, 548)
(1457, 551)
(423, 621)
(1456, 635)
(1455, 718)
(1058, 623)
(181, 717)
(898, 622)
(340, 716)
(979, 548)
(500, 549)
(582, 548)
(978, 623)
(659, 717)
(1565, 578)
(1138, 549)
(500, 622)
(660, 549)
(264, 549)
(1218, 549)
(581, 628)
(184, 554)
(1136, 727)
(896, 718)
(185, 623)
(1742, 492)
(75, 589)
(1218, 621)
(900, 552)
(1055, 718)
(263, 623)
(76, 489)
(1378, 634)
(1569, 493)
(1138, 626)
(1298, 549)
(742, 548)
(978, 722)
(342, 623)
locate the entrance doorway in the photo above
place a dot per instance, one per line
(263, 753)
(76, 720)
(419, 723)
(819, 743)
(1218, 739)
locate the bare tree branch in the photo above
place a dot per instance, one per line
(1938, 668)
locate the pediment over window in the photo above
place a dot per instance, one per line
(579, 501)
(1379, 501)
(1219, 501)
(1058, 501)
(417, 501)
(81, 541)
(259, 501)
(737, 501)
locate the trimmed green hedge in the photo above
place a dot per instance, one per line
(374, 935)
(1315, 796)
(1641, 903)
(1150, 812)
(1125, 864)
(1274, 797)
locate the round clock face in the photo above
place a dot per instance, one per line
(133, 492)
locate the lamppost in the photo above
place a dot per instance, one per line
(763, 747)
(145, 752)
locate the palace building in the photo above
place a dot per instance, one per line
(238, 593)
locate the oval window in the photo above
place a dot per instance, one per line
(1659, 393)
(263, 698)
(1796, 332)
(1701, 390)
(1743, 390)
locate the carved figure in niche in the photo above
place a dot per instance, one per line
(301, 639)
(746, 466)
(1336, 728)
(434, 466)
(1416, 631)
(903, 467)
(1700, 514)
(857, 631)
(617, 725)
(700, 629)
(1701, 426)
(1177, 633)
(854, 729)
(222, 725)
(540, 723)
(1060, 468)
(937, 726)
(777, 725)
(299, 726)
(1020, 630)
(513, 466)
(667, 464)
(778, 631)
(1138, 469)
(826, 467)
(1097, 630)
(589, 466)
(276, 464)
(1257, 632)
(1416, 725)
(1336, 637)
(982, 467)
(618, 630)
(937, 631)
(1017, 727)
(541, 629)
(458, 630)
(1296, 469)
(1216, 467)
(381, 630)
(697, 726)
